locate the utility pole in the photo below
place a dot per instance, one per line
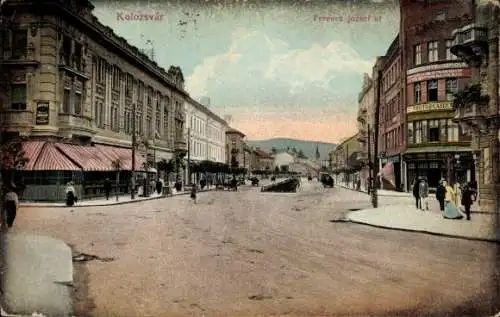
(375, 141)
(370, 164)
(189, 156)
(134, 144)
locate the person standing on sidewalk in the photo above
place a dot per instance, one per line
(107, 188)
(451, 202)
(10, 206)
(416, 194)
(440, 195)
(193, 193)
(467, 198)
(423, 191)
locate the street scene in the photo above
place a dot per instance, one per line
(245, 159)
(248, 253)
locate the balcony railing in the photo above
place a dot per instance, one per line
(76, 123)
(470, 43)
(17, 119)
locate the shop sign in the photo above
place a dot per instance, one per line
(42, 113)
(443, 73)
(434, 67)
(429, 107)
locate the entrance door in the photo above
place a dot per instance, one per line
(434, 174)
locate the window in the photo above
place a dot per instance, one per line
(66, 107)
(129, 85)
(165, 122)
(432, 51)
(442, 129)
(78, 103)
(19, 43)
(115, 81)
(418, 132)
(433, 130)
(449, 55)
(432, 90)
(417, 93)
(66, 51)
(417, 54)
(452, 131)
(78, 56)
(18, 97)
(451, 88)
(425, 131)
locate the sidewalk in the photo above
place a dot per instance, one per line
(482, 226)
(123, 199)
(381, 192)
(38, 276)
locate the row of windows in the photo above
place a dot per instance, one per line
(432, 87)
(435, 130)
(392, 139)
(432, 53)
(392, 107)
(392, 75)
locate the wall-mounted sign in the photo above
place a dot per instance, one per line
(427, 107)
(42, 113)
(443, 73)
(434, 67)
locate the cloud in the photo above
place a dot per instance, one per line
(267, 77)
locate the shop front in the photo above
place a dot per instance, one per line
(434, 166)
(390, 172)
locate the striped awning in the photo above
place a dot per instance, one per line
(89, 158)
(51, 159)
(32, 150)
(124, 155)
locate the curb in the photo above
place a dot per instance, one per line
(42, 205)
(364, 192)
(424, 231)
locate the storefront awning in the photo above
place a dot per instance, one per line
(32, 150)
(51, 159)
(124, 155)
(89, 158)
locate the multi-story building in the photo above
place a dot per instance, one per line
(478, 44)
(366, 125)
(206, 133)
(433, 76)
(66, 76)
(392, 117)
(263, 160)
(235, 148)
(344, 158)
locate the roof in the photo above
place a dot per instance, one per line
(262, 154)
(206, 110)
(234, 131)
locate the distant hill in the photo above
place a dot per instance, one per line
(281, 144)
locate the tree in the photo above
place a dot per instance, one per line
(166, 167)
(274, 150)
(117, 166)
(276, 170)
(317, 155)
(294, 150)
(301, 155)
(12, 158)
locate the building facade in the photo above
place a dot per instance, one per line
(392, 117)
(345, 160)
(263, 160)
(433, 76)
(67, 77)
(206, 132)
(478, 43)
(235, 148)
(366, 125)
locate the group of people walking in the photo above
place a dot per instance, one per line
(450, 197)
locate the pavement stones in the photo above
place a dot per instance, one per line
(37, 276)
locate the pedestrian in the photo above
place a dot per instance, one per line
(193, 193)
(424, 194)
(467, 199)
(70, 194)
(107, 187)
(441, 194)
(10, 206)
(159, 186)
(473, 187)
(416, 193)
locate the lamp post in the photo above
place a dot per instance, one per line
(134, 144)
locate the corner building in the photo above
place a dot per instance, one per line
(433, 75)
(69, 85)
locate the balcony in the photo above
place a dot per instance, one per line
(471, 109)
(76, 124)
(470, 43)
(180, 146)
(23, 56)
(16, 120)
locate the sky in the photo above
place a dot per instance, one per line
(279, 70)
